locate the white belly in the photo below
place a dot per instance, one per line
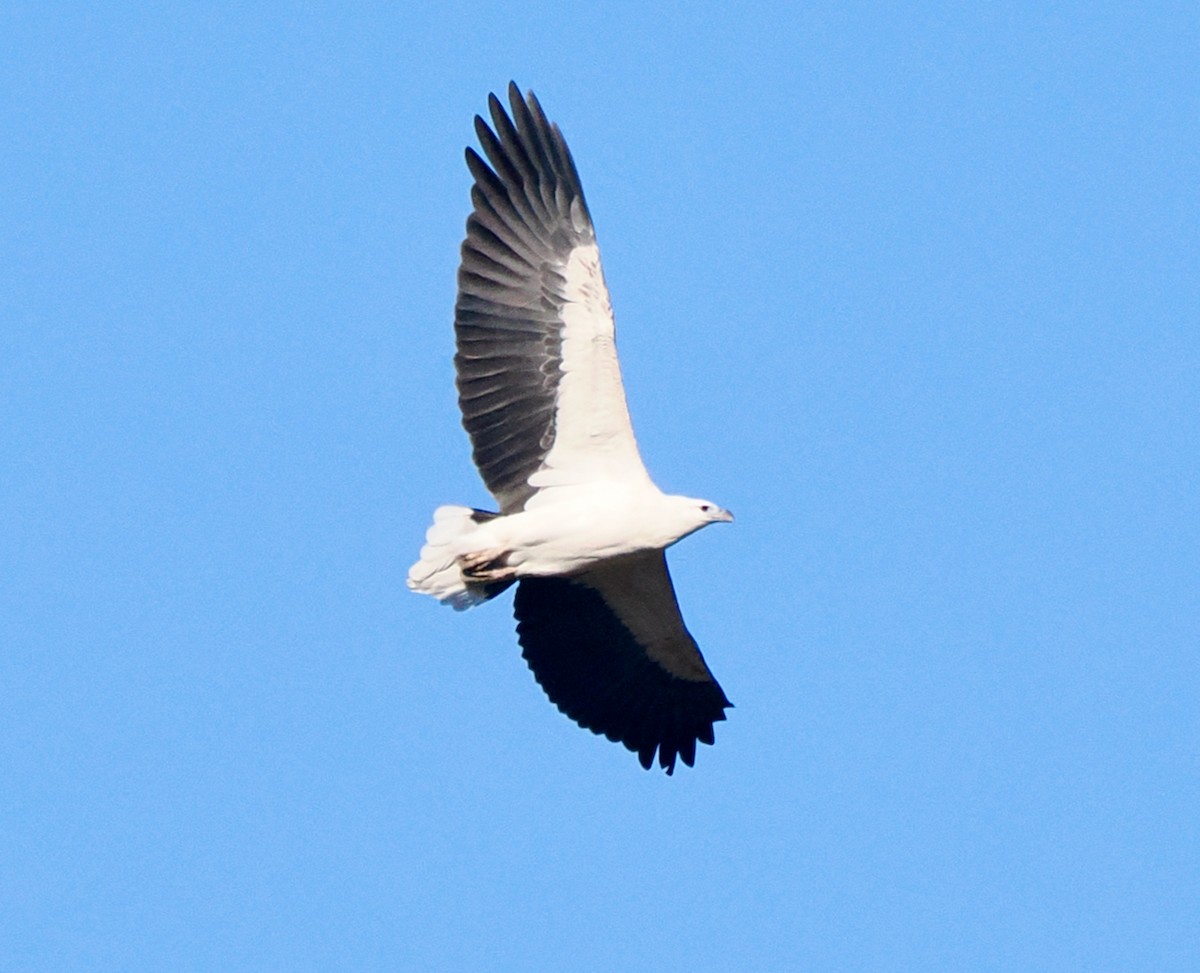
(574, 529)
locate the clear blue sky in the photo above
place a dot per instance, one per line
(913, 290)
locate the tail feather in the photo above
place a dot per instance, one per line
(437, 572)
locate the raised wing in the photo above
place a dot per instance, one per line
(538, 380)
(611, 651)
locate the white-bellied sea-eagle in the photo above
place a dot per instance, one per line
(581, 529)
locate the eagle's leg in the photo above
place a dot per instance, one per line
(489, 565)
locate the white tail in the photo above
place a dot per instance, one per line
(437, 572)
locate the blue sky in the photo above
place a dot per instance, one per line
(913, 291)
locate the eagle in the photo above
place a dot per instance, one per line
(581, 528)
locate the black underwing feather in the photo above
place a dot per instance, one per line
(594, 671)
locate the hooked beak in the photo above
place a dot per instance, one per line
(724, 516)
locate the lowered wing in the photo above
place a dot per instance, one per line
(610, 649)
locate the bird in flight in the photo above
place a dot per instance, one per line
(581, 528)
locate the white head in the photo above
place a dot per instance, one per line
(686, 515)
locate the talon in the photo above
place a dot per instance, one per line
(486, 566)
